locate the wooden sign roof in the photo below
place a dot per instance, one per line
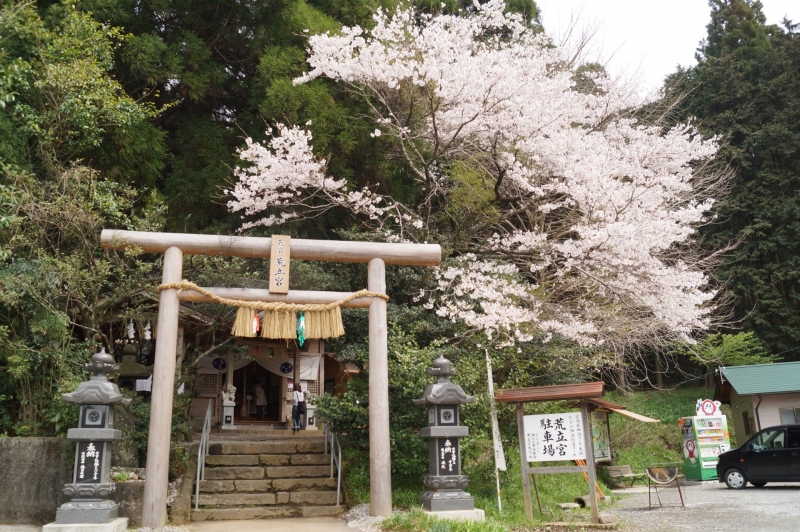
(558, 392)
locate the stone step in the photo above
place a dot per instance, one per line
(271, 485)
(228, 436)
(231, 460)
(287, 446)
(298, 471)
(215, 460)
(216, 500)
(234, 473)
(311, 459)
(260, 472)
(264, 512)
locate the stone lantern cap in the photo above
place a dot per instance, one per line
(98, 390)
(443, 392)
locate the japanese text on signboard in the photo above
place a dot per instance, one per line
(552, 437)
(279, 264)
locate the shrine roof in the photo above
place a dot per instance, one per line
(558, 392)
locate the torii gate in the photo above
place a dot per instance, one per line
(175, 245)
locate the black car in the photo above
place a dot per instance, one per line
(772, 455)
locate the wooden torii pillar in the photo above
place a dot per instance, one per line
(175, 245)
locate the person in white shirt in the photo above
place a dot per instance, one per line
(298, 399)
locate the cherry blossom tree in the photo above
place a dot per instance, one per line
(562, 213)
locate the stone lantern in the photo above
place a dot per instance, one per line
(91, 484)
(444, 484)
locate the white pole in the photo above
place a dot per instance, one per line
(499, 456)
(154, 504)
(497, 480)
(380, 464)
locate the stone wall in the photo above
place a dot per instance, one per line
(129, 496)
(33, 472)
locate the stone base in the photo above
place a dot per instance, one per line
(446, 501)
(460, 515)
(102, 512)
(119, 524)
(227, 414)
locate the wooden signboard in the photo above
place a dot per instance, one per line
(554, 437)
(279, 264)
(601, 437)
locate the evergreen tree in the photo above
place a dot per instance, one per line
(746, 88)
(221, 75)
(58, 290)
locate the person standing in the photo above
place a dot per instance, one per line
(298, 406)
(261, 401)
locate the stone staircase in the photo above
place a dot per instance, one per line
(276, 477)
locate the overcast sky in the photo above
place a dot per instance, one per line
(645, 38)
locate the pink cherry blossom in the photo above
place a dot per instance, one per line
(597, 211)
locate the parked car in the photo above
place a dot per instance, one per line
(772, 455)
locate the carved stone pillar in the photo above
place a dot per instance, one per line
(444, 484)
(91, 482)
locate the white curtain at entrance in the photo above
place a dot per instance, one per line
(309, 367)
(283, 367)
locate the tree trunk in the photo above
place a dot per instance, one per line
(659, 373)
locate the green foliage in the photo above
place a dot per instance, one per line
(479, 465)
(728, 350)
(58, 290)
(471, 201)
(419, 520)
(220, 76)
(138, 432)
(349, 411)
(356, 475)
(746, 88)
(65, 116)
(737, 27)
(140, 413)
(66, 99)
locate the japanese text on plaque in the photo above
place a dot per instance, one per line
(552, 437)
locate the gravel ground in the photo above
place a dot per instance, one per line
(358, 518)
(712, 506)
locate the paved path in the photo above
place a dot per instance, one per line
(712, 506)
(307, 524)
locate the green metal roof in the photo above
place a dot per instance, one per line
(764, 378)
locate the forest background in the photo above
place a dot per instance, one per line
(125, 114)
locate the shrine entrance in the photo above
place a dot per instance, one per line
(175, 245)
(245, 379)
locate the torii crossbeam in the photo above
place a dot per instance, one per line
(175, 245)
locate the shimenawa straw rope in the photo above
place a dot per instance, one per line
(322, 320)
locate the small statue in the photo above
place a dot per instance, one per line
(229, 396)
